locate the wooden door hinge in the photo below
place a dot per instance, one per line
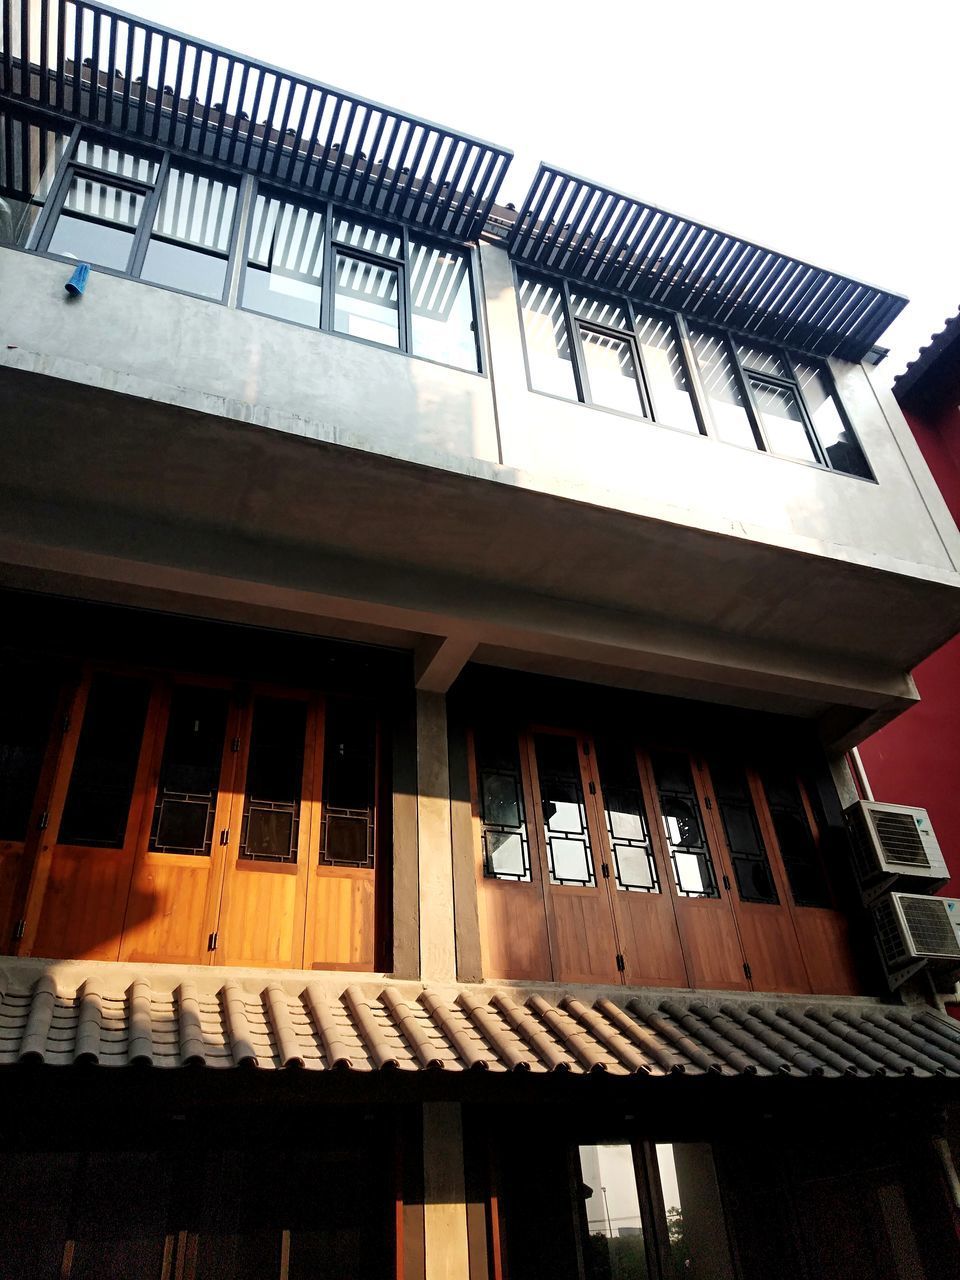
(621, 963)
(235, 744)
(213, 940)
(592, 786)
(605, 868)
(726, 883)
(747, 971)
(708, 802)
(19, 929)
(65, 727)
(225, 835)
(43, 820)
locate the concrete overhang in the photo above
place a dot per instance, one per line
(112, 496)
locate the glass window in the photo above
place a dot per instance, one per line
(27, 171)
(782, 419)
(759, 360)
(547, 340)
(191, 234)
(285, 261)
(696, 1240)
(385, 242)
(798, 848)
(506, 848)
(666, 376)
(611, 369)
(185, 807)
(690, 856)
(838, 441)
(569, 853)
(627, 830)
(600, 311)
(366, 301)
(349, 784)
(97, 223)
(271, 810)
(105, 765)
(615, 1244)
(125, 164)
(742, 830)
(731, 421)
(442, 326)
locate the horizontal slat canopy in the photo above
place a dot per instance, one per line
(146, 82)
(587, 232)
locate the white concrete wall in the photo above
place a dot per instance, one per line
(622, 461)
(167, 347)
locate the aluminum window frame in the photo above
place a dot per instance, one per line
(581, 375)
(700, 401)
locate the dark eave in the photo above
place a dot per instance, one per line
(586, 232)
(205, 102)
(935, 373)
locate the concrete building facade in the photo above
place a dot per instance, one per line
(434, 636)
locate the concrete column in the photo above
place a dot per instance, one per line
(438, 947)
(446, 1249)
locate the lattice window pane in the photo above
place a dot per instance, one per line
(627, 829)
(569, 852)
(693, 869)
(741, 827)
(271, 811)
(506, 848)
(185, 807)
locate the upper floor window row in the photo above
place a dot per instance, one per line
(142, 214)
(610, 353)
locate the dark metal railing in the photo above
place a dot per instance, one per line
(132, 78)
(587, 232)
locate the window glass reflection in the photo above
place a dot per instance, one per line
(569, 852)
(547, 341)
(693, 870)
(611, 371)
(696, 1243)
(782, 421)
(839, 443)
(359, 235)
(626, 819)
(442, 306)
(189, 270)
(506, 851)
(366, 301)
(28, 173)
(614, 1247)
(599, 311)
(665, 373)
(729, 414)
(759, 360)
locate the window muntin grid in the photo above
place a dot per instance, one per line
(348, 832)
(565, 827)
(272, 794)
(503, 819)
(189, 782)
(634, 865)
(690, 857)
(741, 827)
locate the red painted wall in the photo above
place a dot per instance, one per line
(916, 759)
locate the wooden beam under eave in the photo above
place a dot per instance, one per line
(438, 660)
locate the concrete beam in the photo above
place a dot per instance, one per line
(438, 660)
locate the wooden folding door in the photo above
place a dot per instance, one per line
(175, 896)
(756, 881)
(267, 842)
(514, 940)
(80, 877)
(637, 875)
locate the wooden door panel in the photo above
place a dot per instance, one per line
(11, 871)
(513, 930)
(825, 941)
(261, 919)
(340, 920)
(651, 940)
(712, 946)
(166, 914)
(772, 948)
(84, 903)
(585, 947)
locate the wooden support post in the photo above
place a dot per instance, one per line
(446, 1249)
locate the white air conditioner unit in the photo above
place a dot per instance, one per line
(894, 847)
(913, 932)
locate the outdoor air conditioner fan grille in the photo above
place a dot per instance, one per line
(900, 839)
(931, 930)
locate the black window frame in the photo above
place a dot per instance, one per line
(401, 264)
(581, 377)
(728, 339)
(151, 191)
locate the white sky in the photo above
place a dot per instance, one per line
(825, 130)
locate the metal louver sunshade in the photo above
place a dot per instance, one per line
(590, 233)
(162, 87)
